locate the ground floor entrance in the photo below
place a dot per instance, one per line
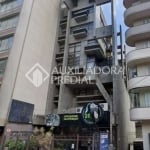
(81, 139)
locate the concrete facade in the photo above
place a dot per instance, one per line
(137, 18)
(56, 36)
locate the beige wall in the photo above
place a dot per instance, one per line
(34, 43)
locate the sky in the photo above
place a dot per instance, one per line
(119, 16)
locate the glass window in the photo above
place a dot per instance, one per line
(6, 43)
(74, 55)
(9, 5)
(9, 23)
(140, 100)
(2, 66)
(132, 72)
(91, 62)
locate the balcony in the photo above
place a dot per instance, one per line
(63, 23)
(11, 12)
(7, 32)
(80, 33)
(137, 33)
(59, 57)
(136, 57)
(94, 50)
(4, 54)
(137, 12)
(139, 82)
(81, 16)
(140, 114)
(61, 39)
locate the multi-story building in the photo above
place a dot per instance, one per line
(32, 25)
(48, 35)
(137, 18)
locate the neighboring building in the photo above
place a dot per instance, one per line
(55, 35)
(34, 41)
(137, 18)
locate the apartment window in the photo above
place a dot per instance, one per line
(2, 66)
(138, 130)
(8, 23)
(6, 43)
(135, 101)
(147, 20)
(6, 6)
(132, 72)
(140, 100)
(91, 62)
(74, 55)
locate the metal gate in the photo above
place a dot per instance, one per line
(76, 142)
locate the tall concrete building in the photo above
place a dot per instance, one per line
(39, 37)
(137, 18)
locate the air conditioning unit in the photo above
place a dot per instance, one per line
(79, 110)
(104, 106)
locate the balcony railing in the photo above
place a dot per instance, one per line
(63, 23)
(13, 11)
(61, 39)
(59, 56)
(94, 50)
(81, 16)
(80, 33)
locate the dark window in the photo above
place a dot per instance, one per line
(74, 54)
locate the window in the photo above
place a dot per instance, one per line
(9, 23)
(132, 72)
(74, 55)
(140, 100)
(138, 130)
(147, 20)
(91, 62)
(6, 6)
(2, 67)
(135, 102)
(6, 43)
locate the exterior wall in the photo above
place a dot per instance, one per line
(34, 43)
(126, 128)
(146, 131)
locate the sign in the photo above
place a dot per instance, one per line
(104, 141)
(52, 120)
(70, 120)
(67, 120)
(92, 113)
(21, 112)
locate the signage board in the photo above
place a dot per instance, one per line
(21, 112)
